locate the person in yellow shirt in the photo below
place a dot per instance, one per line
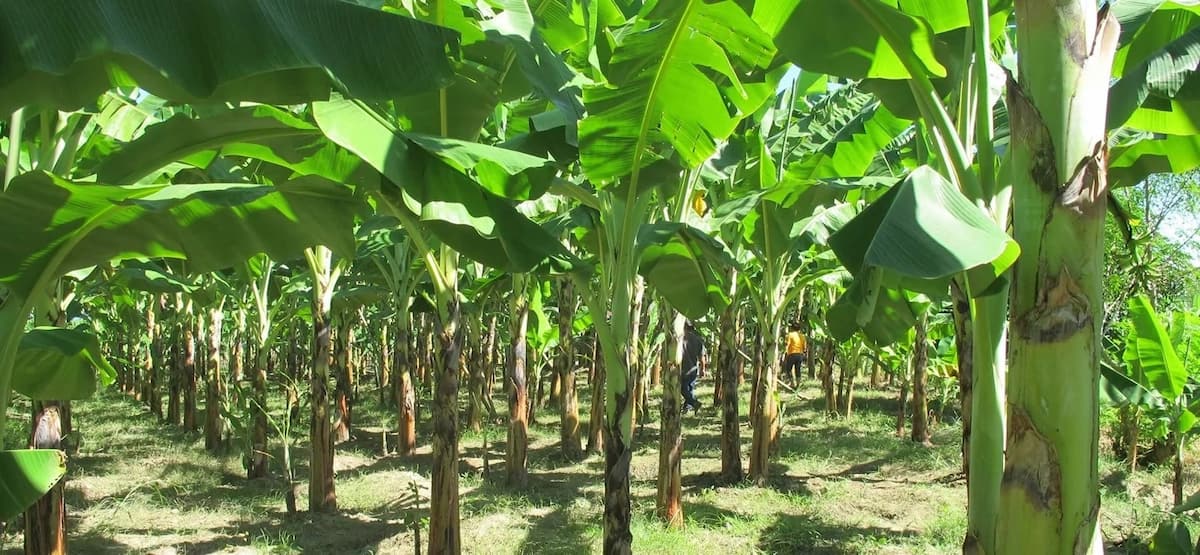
(797, 348)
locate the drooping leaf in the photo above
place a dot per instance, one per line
(55, 226)
(181, 136)
(507, 173)
(923, 228)
(25, 476)
(1119, 389)
(62, 54)
(835, 37)
(60, 363)
(889, 320)
(451, 187)
(150, 278)
(685, 266)
(546, 72)
(1130, 164)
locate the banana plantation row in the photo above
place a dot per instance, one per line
(410, 172)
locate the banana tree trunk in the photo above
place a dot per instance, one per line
(444, 531)
(670, 443)
(477, 385)
(846, 388)
(1049, 494)
(153, 395)
(830, 355)
(385, 366)
(517, 461)
(237, 358)
(258, 410)
(767, 413)
(569, 406)
(1129, 417)
(46, 520)
(964, 345)
(636, 367)
(1177, 478)
(843, 385)
(727, 377)
(595, 442)
(343, 379)
(406, 413)
(920, 360)
(190, 422)
(214, 424)
(490, 361)
(321, 494)
(175, 377)
(902, 409)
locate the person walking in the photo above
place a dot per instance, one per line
(692, 367)
(797, 347)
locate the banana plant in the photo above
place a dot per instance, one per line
(59, 226)
(897, 51)
(1156, 378)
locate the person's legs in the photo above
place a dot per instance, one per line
(791, 366)
(688, 387)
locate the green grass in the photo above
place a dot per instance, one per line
(839, 486)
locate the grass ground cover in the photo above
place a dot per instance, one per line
(840, 486)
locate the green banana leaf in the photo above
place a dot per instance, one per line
(853, 146)
(1149, 347)
(914, 238)
(62, 54)
(835, 37)
(922, 232)
(454, 188)
(60, 363)
(1158, 88)
(1130, 164)
(889, 320)
(686, 266)
(150, 278)
(1119, 389)
(1171, 538)
(1191, 503)
(672, 81)
(25, 476)
(53, 226)
(182, 136)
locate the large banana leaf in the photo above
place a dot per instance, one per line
(1148, 347)
(851, 148)
(890, 316)
(182, 136)
(837, 36)
(25, 476)
(686, 266)
(61, 54)
(914, 238)
(54, 226)
(1130, 164)
(60, 363)
(1159, 94)
(675, 79)
(546, 71)
(455, 188)
(924, 228)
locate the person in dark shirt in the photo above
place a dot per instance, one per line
(692, 367)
